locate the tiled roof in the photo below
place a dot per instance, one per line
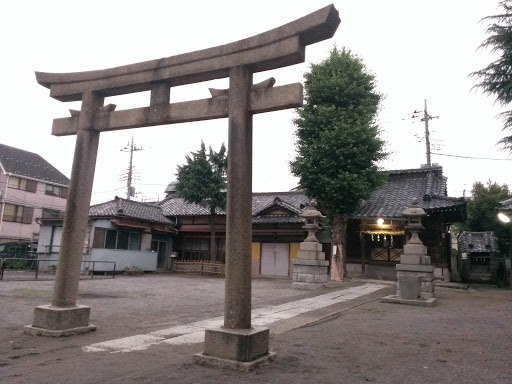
(275, 219)
(472, 242)
(293, 201)
(177, 206)
(428, 185)
(24, 163)
(129, 208)
(505, 205)
(261, 201)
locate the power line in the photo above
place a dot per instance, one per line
(470, 157)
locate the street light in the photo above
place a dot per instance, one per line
(503, 218)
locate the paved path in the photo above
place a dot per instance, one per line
(194, 332)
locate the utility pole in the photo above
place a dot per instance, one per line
(426, 118)
(132, 148)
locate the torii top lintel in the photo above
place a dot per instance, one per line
(279, 47)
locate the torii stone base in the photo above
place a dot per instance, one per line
(56, 321)
(239, 349)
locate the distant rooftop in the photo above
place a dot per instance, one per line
(427, 184)
(128, 208)
(29, 164)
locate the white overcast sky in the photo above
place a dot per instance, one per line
(417, 49)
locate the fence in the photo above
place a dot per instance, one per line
(31, 264)
(202, 267)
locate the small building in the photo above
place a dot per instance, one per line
(376, 234)
(478, 257)
(129, 233)
(30, 189)
(276, 231)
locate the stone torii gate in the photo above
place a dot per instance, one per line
(237, 341)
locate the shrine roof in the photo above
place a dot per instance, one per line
(293, 202)
(426, 184)
(128, 208)
(505, 205)
(478, 242)
(31, 165)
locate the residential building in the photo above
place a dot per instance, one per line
(30, 189)
(125, 232)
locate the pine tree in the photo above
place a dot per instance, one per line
(202, 180)
(496, 78)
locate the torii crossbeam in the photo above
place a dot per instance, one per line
(237, 343)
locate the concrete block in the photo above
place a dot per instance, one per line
(307, 255)
(306, 278)
(398, 300)
(56, 322)
(414, 259)
(236, 344)
(319, 263)
(244, 366)
(55, 318)
(410, 287)
(322, 278)
(415, 249)
(316, 247)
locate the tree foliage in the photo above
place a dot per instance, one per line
(481, 210)
(496, 79)
(338, 142)
(202, 180)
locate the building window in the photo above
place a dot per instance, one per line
(53, 190)
(192, 248)
(18, 214)
(23, 184)
(116, 239)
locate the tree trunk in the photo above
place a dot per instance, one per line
(338, 260)
(213, 249)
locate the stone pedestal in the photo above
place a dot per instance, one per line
(57, 321)
(310, 268)
(241, 349)
(415, 274)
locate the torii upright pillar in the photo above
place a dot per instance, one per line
(236, 344)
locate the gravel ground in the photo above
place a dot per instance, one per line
(465, 338)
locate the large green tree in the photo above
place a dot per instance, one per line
(482, 212)
(202, 180)
(338, 142)
(496, 79)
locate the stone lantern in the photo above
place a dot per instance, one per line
(415, 273)
(413, 224)
(312, 217)
(310, 266)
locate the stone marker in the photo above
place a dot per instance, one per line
(237, 344)
(310, 266)
(415, 273)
